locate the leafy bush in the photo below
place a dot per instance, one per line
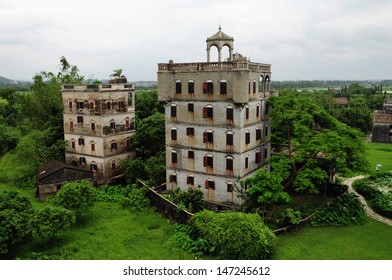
(136, 198)
(363, 188)
(183, 238)
(15, 215)
(111, 193)
(289, 217)
(77, 197)
(235, 235)
(344, 210)
(382, 204)
(49, 221)
(192, 199)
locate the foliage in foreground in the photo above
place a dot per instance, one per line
(235, 235)
(20, 221)
(344, 210)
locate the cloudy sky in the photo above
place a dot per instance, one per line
(302, 39)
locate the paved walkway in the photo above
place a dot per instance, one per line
(368, 210)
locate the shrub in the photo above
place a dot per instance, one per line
(382, 204)
(49, 221)
(77, 197)
(184, 239)
(363, 188)
(15, 215)
(192, 199)
(235, 235)
(344, 210)
(289, 217)
(136, 198)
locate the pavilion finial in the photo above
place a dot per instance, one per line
(220, 28)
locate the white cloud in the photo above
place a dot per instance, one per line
(301, 39)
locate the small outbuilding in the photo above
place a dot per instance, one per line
(54, 174)
(382, 124)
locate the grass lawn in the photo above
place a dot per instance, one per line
(379, 153)
(108, 232)
(371, 241)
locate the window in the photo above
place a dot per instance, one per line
(113, 165)
(178, 87)
(191, 154)
(173, 134)
(246, 162)
(93, 167)
(254, 86)
(258, 157)
(191, 87)
(266, 131)
(229, 114)
(208, 137)
(230, 187)
(81, 141)
(191, 108)
(223, 87)
(173, 111)
(108, 105)
(120, 105)
(229, 139)
(265, 153)
(257, 110)
(71, 125)
(190, 131)
(127, 123)
(79, 119)
(82, 160)
(249, 87)
(93, 147)
(208, 87)
(190, 180)
(258, 133)
(174, 156)
(70, 105)
(173, 178)
(229, 163)
(208, 112)
(210, 185)
(208, 161)
(247, 113)
(80, 105)
(112, 125)
(92, 126)
(247, 137)
(73, 144)
(113, 146)
(91, 105)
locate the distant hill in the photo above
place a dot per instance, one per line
(6, 81)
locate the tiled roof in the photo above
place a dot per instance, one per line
(382, 118)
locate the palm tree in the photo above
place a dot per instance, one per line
(117, 73)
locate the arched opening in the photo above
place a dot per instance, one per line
(214, 53)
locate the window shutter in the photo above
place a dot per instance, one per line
(205, 137)
(258, 157)
(171, 178)
(206, 184)
(188, 180)
(204, 87)
(205, 161)
(205, 112)
(229, 113)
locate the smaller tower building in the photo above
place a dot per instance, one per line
(99, 121)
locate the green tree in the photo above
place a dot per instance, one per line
(117, 73)
(77, 197)
(15, 216)
(265, 188)
(316, 144)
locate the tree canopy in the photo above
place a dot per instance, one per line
(316, 144)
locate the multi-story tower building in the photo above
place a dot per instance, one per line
(99, 121)
(217, 125)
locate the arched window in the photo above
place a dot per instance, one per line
(191, 87)
(174, 157)
(93, 166)
(178, 87)
(247, 137)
